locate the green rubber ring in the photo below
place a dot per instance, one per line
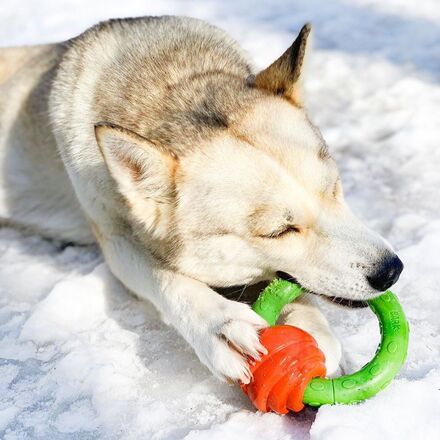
(372, 377)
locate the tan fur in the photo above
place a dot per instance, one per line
(11, 60)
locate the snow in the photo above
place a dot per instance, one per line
(82, 358)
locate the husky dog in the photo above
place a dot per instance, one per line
(154, 137)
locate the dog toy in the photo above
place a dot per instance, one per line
(293, 372)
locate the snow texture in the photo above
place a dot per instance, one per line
(81, 358)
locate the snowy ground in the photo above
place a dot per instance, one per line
(81, 358)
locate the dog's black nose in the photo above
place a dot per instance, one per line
(387, 274)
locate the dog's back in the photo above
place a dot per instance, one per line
(11, 59)
(34, 189)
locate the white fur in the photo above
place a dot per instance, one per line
(304, 313)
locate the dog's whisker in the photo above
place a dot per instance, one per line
(242, 291)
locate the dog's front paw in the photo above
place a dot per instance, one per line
(341, 369)
(331, 347)
(230, 339)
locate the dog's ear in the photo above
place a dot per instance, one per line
(143, 171)
(283, 76)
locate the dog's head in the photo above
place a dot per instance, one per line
(260, 197)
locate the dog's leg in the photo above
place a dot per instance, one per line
(303, 313)
(222, 332)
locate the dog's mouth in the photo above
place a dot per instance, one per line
(351, 303)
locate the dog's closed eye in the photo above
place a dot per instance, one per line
(282, 231)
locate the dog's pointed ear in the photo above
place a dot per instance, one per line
(143, 171)
(283, 76)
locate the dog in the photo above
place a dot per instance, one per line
(157, 139)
